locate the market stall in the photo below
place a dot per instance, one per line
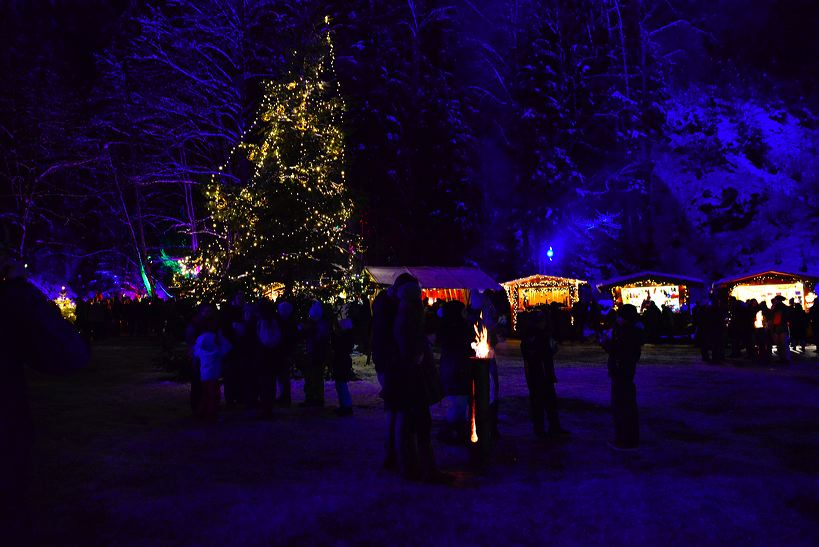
(437, 282)
(764, 286)
(670, 290)
(535, 290)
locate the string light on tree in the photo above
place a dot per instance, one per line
(287, 222)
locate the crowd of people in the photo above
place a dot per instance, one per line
(754, 328)
(253, 347)
(251, 350)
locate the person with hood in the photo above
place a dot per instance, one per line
(34, 334)
(342, 340)
(205, 315)
(209, 350)
(624, 346)
(316, 331)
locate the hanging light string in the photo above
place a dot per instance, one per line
(252, 238)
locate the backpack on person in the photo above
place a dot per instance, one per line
(270, 335)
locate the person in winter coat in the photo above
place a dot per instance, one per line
(780, 319)
(267, 356)
(624, 346)
(316, 331)
(289, 328)
(813, 313)
(405, 390)
(232, 326)
(384, 353)
(343, 340)
(712, 329)
(454, 337)
(538, 348)
(34, 334)
(205, 315)
(799, 325)
(762, 333)
(209, 350)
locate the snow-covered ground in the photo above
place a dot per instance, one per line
(730, 456)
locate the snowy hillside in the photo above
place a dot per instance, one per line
(745, 174)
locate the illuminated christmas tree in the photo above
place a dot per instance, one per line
(281, 212)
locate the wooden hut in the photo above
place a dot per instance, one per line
(437, 282)
(535, 290)
(764, 286)
(671, 290)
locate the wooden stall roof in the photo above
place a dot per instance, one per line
(658, 276)
(436, 277)
(735, 280)
(538, 277)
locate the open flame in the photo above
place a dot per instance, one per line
(482, 351)
(474, 429)
(481, 343)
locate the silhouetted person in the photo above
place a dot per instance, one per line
(454, 337)
(32, 333)
(712, 332)
(210, 349)
(762, 335)
(205, 315)
(780, 317)
(813, 313)
(538, 348)
(406, 389)
(651, 319)
(624, 346)
(268, 354)
(289, 328)
(735, 325)
(342, 340)
(385, 355)
(799, 326)
(234, 329)
(317, 336)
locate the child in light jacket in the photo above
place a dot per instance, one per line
(210, 349)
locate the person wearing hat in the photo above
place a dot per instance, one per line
(624, 346)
